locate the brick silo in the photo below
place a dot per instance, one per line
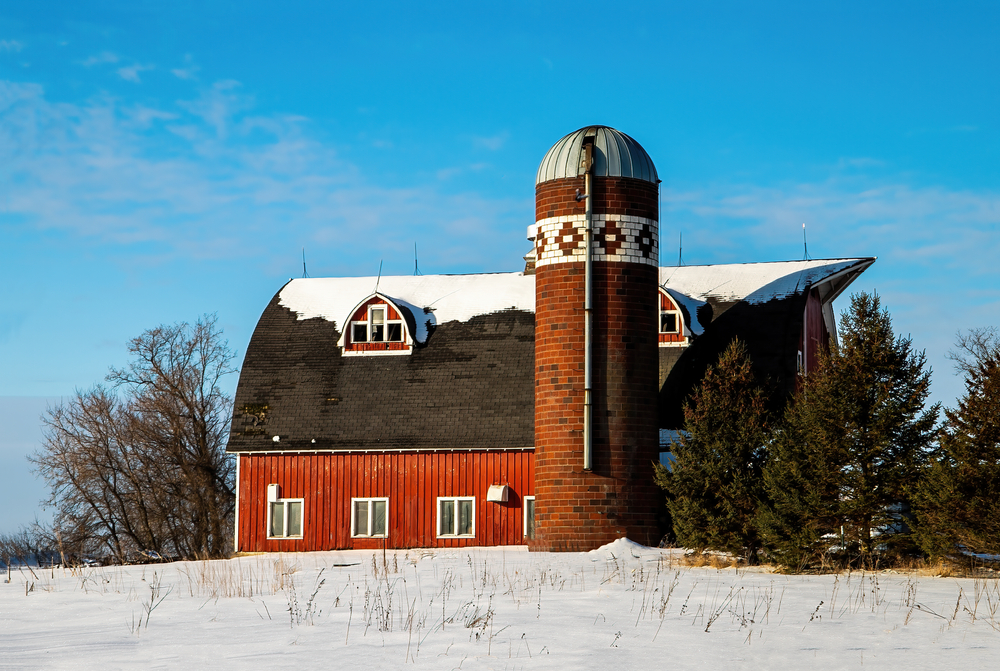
(594, 483)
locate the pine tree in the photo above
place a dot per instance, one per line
(715, 485)
(958, 502)
(852, 447)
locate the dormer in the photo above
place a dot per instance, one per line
(673, 329)
(377, 326)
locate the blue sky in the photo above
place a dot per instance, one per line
(159, 161)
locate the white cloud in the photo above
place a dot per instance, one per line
(493, 143)
(206, 178)
(189, 71)
(10, 45)
(219, 105)
(100, 59)
(131, 73)
(185, 73)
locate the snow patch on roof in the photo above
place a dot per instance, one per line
(432, 299)
(438, 299)
(751, 282)
(690, 305)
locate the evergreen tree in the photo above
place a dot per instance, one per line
(958, 502)
(852, 447)
(715, 485)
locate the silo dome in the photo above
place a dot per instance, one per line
(616, 155)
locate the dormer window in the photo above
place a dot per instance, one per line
(672, 331)
(376, 326)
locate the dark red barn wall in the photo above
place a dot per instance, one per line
(815, 336)
(411, 480)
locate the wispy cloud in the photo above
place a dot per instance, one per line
(130, 73)
(922, 231)
(189, 71)
(102, 58)
(185, 73)
(10, 45)
(492, 143)
(207, 178)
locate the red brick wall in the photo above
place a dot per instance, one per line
(576, 509)
(612, 195)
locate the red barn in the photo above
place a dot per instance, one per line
(493, 409)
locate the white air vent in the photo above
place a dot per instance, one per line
(498, 493)
(273, 493)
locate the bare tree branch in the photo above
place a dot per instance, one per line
(142, 465)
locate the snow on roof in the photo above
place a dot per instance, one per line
(437, 299)
(751, 282)
(432, 299)
(693, 286)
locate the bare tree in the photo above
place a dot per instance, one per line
(140, 464)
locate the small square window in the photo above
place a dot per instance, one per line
(456, 517)
(369, 518)
(395, 332)
(359, 333)
(285, 519)
(668, 322)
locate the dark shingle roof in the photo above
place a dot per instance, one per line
(470, 386)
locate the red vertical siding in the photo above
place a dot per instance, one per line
(815, 336)
(412, 481)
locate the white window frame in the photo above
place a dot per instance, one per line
(454, 500)
(367, 533)
(386, 322)
(284, 521)
(525, 527)
(678, 322)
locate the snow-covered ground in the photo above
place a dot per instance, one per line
(622, 607)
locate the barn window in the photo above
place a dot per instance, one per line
(669, 321)
(378, 327)
(529, 516)
(369, 518)
(672, 329)
(456, 516)
(285, 518)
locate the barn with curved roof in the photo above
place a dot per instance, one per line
(506, 408)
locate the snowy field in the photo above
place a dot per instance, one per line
(621, 607)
